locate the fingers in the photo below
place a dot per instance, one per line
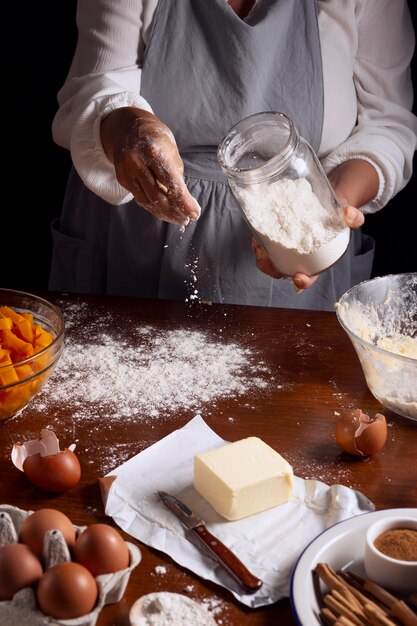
(302, 281)
(147, 163)
(263, 262)
(168, 175)
(178, 196)
(354, 217)
(160, 155)
(166, 200)
(160, 208)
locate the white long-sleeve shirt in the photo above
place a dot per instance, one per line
(366, 47)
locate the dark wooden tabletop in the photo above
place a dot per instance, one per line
(311, 374)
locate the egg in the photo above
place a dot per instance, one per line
(45, 464)
(55, 472)
(66, 591)
(360, 435)
(101, 549)
(19, 568)
(39, 522)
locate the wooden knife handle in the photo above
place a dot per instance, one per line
(227, 559)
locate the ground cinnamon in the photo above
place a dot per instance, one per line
(398, 543)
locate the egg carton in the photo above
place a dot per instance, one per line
(23, 609)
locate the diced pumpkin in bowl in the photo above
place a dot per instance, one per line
(24, 329)
(8, 375)
(42, 337)
(5, 323)
(31, 343)
(11, 313)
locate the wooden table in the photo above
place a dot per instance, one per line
(316, 375)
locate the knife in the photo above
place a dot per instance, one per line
(217, 550)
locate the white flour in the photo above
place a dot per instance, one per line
(289, 213)
(155, 374)
(169, 609)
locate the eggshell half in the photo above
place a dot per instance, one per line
(360, 435)
(55, 472)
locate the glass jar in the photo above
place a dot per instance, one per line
(284, 193)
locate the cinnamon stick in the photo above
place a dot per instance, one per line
(402, 611)
(356, 601)
(358, 591)
(341, 609)
(328, 617)
(336, 582)
(397, 607)
(344, 600)
(377, 618)
(343, 621)
(331, 619)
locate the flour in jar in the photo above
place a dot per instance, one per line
(288, 212)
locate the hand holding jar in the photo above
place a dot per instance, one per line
(300, 227)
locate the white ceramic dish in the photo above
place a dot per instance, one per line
(395, 575)
(343, 547)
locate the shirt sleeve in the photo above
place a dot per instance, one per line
(386, 130)
(105, 74)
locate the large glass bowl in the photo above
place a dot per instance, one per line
(380, 317)
(25, 377)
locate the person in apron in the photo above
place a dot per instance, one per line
(204, 69)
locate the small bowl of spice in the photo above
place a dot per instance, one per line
(391, 554)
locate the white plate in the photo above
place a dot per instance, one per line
(341, 546)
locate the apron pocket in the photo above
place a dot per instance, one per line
(363, 258)
(73, 263)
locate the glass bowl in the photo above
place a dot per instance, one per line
(31, 343)
(380, 318)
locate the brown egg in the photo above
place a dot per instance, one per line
(38, 523)
(19, 568)
(360, 435)
(67, 590)
(101, 549)
(54, 472)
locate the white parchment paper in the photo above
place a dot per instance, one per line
(268, 543)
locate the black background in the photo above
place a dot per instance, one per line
(43, 37)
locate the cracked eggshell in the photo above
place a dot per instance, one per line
(361, 435)
(23, 608)
(45, 465)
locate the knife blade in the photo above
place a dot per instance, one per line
(217, 550)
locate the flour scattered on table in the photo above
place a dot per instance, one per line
(166, 609)
(154, 374)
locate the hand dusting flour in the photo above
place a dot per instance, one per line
(154, 374)
(289, 213)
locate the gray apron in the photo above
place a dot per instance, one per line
(204, 70)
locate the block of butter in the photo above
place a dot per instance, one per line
(243, 478)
